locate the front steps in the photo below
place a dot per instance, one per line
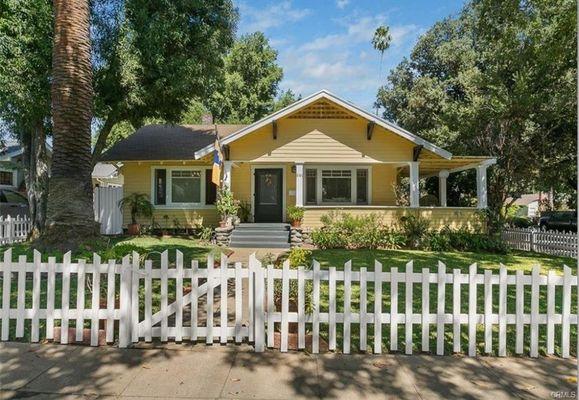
(261, 235)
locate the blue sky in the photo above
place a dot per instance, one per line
(325, 44)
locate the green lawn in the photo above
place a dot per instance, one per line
(149, 247)
(428, 259)
(461, 260)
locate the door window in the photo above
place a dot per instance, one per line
(268, 189)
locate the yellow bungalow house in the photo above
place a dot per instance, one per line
(321, 153)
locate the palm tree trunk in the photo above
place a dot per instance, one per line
(70, 218)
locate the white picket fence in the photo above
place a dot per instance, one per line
(212, 320)
(106, 209)
(14, 229)
(548, 242)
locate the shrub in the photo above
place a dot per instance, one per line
(355, 232)
(520, 222)
(244, 211)
(294, 213)
(226, 205)
(299, 257)
(415, 229)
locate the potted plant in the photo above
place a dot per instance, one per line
(295, 215)
(226, 206)
(139, 206)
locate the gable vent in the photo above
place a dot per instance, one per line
(322, 110)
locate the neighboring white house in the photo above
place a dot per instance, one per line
(107, 175)
(11, 168)
(529, 205)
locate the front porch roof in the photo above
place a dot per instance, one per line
(432, 167)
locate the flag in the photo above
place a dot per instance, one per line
(217, 161)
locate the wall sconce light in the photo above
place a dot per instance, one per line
(293, 169)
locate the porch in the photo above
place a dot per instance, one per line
(356, 188)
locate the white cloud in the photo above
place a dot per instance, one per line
(343, 61)
(274, 16)
(341, 4)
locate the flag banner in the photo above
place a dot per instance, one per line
(217, 162)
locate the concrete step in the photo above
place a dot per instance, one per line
(260, 234)
(263, 227)
(260, 244)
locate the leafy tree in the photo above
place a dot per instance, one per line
(497, 80)
(70, 217)
(250, 84)
(154, 58)
(285, 99)
(26, 30)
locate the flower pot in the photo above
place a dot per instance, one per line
(296, 224)
(134, 229)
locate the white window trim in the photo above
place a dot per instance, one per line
(168, 190)
(354, 177)
(14, 177)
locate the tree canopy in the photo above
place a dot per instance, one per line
(497, 80)
(153, 58)
(250, 83)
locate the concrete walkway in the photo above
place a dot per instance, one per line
(235, 372)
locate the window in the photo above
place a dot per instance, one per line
(311, 186)
(160, 186)
(336, 186)
(181, 187)
(186, 186)
(6, 178)
(327, 185)
(361, 186)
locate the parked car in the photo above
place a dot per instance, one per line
(562, 221)
(13, 203)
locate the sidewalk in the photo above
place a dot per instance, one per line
(235, 372)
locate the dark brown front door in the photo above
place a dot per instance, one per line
(269, 195)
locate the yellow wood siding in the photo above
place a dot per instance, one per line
(322, 141)
(383, 181)
(138, 179)
(438, 217)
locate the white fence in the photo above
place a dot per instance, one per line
(106, 209)
(548, 242)
(14, 229)
(340, 300)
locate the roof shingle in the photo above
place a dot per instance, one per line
(166, 142)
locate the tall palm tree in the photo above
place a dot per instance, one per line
(70, 218)
(381, 42)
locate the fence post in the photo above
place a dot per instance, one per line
(258, 314)
(126, 292)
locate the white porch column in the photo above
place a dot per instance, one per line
(227, 174)
(442, 175)
(414, 184)
(481, 186)
(299, 184)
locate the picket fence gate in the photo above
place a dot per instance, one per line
(14, 229)
(139, 282)
(547, 242)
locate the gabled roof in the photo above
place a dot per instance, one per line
(324, 94)
(166, 142)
